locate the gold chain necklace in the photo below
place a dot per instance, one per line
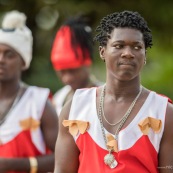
(109, 158)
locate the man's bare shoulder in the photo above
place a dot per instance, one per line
(169, 118)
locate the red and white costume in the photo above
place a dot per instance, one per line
(60, 97)
(137, 153)
(20, 134)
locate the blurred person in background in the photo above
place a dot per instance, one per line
(72, 56)
(120, 127)
(28, 121)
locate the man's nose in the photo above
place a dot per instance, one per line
(67, 78)
(127, 52)
(1, 57)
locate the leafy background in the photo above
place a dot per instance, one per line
(45, 17)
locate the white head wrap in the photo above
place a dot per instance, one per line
(17, 35)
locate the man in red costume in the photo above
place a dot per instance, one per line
(120, 127)
(71, 56)
(28, 121)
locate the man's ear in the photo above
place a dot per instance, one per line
(102, 52)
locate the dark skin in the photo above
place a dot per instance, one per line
(75, 77)
(124, 55)
(11, 67)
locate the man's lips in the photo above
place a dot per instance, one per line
(127, 63)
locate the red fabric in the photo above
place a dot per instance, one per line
(20, 146)
(63, 56)
(140, 158)
(50, 97)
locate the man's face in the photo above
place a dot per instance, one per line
(124, 53)
(11, 63)
(76, 78)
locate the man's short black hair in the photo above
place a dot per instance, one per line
(123, 19)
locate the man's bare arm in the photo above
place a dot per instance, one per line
(166, 146)
(66, 151)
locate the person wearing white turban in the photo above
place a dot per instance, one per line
(28, 121)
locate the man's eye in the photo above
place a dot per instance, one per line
(118, 46)
(137, 47)
(9, 54)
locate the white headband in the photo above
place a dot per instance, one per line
(17, 35)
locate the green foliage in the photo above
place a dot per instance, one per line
(156, 75)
